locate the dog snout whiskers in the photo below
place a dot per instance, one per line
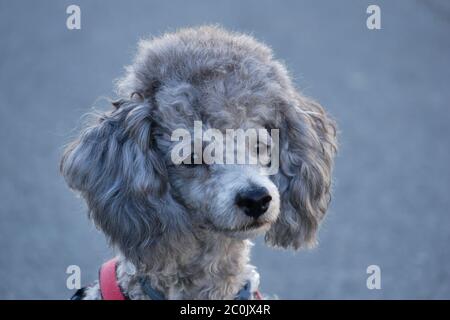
(254, 202)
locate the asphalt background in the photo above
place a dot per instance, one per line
(388, 90)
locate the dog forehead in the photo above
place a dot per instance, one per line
(217, 107)
(224, 117)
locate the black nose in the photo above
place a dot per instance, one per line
(254, 202)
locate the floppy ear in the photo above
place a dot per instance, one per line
(116, 166)
(307, 149)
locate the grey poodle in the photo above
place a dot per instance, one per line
(182, 231)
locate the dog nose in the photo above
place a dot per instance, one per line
(254, 202)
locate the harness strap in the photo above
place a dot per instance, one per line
(149, 290)
(109, 287)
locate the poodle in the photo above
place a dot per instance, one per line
(184, 230)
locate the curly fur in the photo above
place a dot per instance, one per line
(177, 224)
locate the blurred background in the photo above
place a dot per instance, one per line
(388, 90)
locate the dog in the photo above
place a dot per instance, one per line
(184, 230)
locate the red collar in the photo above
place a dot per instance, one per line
(109, 288)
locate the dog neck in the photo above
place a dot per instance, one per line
(207, 266)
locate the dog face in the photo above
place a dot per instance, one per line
(236, 199)
(123, 163)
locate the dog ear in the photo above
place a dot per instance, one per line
(307, 149)
(116, 166)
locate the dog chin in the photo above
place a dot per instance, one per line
(246, 232)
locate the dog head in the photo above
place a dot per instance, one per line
(215, 81)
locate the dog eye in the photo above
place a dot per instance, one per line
(260, 147)
(263, 152)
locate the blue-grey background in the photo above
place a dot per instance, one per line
(388, 89)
